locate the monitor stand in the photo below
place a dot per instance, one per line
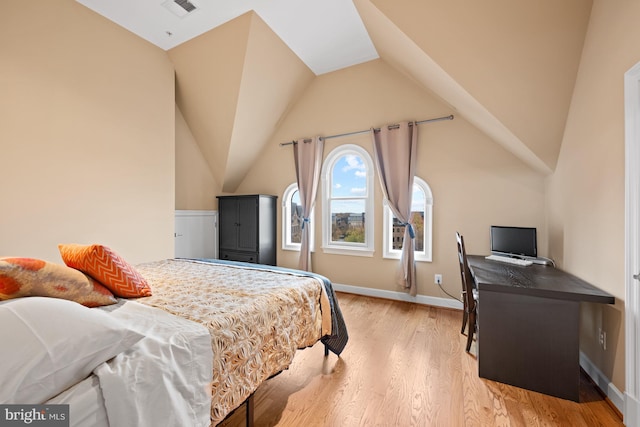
(542, 261)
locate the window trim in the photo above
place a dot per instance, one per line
(348, 248)
(287, 244)
(426, 255)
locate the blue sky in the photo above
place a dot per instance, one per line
(349, 180)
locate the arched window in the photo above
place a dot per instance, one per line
(347, 196)
(422, 214)
(292, 219)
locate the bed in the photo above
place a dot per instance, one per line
(258, 316)
(211, 332)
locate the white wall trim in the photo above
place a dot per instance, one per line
(195, 213)
(615, 396)
(632, 409)
(196, 234)
(399, 296)
(632, 244)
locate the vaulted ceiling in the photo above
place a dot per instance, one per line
(508, 67)
(233, 85)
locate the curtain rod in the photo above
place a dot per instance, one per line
(437, 119)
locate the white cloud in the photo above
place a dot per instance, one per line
(359, 190)
(353, 162)
(338, 185)
(361, 174)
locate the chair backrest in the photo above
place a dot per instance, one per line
(465, 275)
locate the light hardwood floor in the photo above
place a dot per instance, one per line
(405, 365)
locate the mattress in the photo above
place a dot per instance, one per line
(257, 319)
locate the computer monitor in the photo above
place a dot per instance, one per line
(510, 241)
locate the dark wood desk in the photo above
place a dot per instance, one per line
(528, 325)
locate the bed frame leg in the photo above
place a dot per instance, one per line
(249, 410)
(326, 350)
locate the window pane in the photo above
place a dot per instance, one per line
(347, 205)
(417, 215)
(347, 221)
(349, 177)
(398, 235)
(418, 225)
(296, 218)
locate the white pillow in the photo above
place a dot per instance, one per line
(49, 344)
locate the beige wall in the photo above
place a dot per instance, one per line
(586, 193)
(208, 78)
(234, 84)
(196, 187)
(475, 182)
(86, 134)
(518, 58)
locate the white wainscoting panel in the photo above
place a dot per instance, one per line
(196, 234)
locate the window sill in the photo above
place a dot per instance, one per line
(349, 251)
(418, 258)
(295, 249)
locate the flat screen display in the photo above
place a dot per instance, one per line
(514, 241)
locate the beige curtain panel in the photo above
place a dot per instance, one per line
(308, 158)
(395, 153)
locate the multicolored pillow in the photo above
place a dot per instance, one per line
(107, 267)
(28, 277)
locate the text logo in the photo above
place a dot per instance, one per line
(34, 415)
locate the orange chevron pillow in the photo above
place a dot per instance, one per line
(107, 267)
(29, 277)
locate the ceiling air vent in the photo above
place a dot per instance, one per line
(186, 5)
(179, 8)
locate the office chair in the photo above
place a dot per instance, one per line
(468, 295)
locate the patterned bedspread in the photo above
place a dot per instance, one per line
(257, 319)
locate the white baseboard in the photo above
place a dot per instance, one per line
(399, 296)
(615, 396)
(632, 411)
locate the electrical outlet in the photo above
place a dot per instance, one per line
(438, 279)
(602, 336)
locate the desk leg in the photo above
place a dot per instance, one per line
(530, 342)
